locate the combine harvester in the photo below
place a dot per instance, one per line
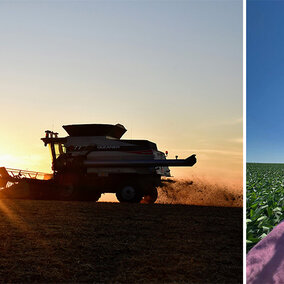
(93, 160)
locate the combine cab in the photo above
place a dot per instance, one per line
(94, 159)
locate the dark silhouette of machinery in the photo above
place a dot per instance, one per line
(93, 160)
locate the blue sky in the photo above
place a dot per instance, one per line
(265, 81)
(170, 71)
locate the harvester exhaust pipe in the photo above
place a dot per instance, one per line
(188, 162)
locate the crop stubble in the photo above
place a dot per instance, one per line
(57, 241)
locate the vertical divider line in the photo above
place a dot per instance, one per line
(244, 133)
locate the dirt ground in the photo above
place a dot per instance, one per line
(60, 241)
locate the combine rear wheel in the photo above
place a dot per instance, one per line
(129, 193)
(151, 196)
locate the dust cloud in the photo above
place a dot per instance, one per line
(200, 192)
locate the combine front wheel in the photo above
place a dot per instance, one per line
(66, 192)
(92, 196)
(129, 193)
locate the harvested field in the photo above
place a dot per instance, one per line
(60, 241)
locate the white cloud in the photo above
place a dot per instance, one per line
(236, 140)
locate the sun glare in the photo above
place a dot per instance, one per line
(9, 161)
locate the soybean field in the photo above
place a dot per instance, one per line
(265, 200)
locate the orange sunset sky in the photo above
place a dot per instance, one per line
(170, 72)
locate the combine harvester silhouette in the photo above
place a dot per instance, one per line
(93, 160)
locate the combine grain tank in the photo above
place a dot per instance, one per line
(94, 159)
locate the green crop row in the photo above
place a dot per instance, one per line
(265, 200)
